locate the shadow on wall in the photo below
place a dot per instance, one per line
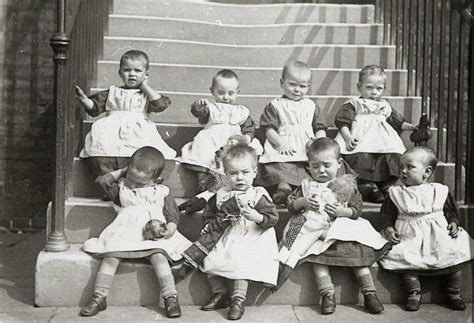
(27, 109)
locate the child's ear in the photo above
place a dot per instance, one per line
(339, 162)
(147, 72)
(428, 172)
(281, 82)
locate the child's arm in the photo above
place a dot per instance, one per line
(319, 128)
(399, 123)
(94, 105)
(389, 213)
(200, 109)
(248, 129)
(171, 213)
(451, 212)
(353, 209)
(269, 122)
(109, 184)
(343, 121)
(157, 102)
(265, 213)
(297, 202)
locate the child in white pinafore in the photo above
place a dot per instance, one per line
(421, 219)
(349, 241)
(141, 202)
(247, 250)
(289, 123)
(368, 135)
(222, 119)
(126, 126)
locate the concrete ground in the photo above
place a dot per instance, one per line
(17, 268)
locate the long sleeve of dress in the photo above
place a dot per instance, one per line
(296, 194)
(345, 116)
(269, 119)
(248, 127)
(99, 99)
(170, 210)
(317, 123)
(159, 105)
(396, 120)
(270, 215)
(210, 211)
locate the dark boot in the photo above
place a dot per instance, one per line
(236, 310)
(455, 302)
(413, 301)
(217, 301)
(172, 307)
(96, 304)
(328, 303)
(372, 304)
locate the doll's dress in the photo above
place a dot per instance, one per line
(371, 128)
(224, 122)
(295, 129)
(425, 241)
(139, 205)
(125, 128)
(245, 251)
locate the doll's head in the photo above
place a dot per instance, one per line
(344, 187)
(324, 158)
(225, 87)
(240, 166)
(295, 80)
(417, 164)
(134, 68)
(144, 168)
(372, 82)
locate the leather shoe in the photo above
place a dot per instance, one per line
(372, 304)
(236, 309)
(456, 303)
(217, 301)
(413, 301)
(280, 196)
(172, 307)
(96, 304)
(328, 303)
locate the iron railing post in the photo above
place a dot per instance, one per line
(60, 42)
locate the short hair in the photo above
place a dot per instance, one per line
(239, 150)
(298, 66)
(135, 54)
(429, 156)
(226, 73)
(371, 70)
(322, 144)
(149, 160)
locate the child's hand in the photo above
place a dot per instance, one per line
(286, 150)
(250, 213)
(393, 235)
(453, 229)
(309, 203)
(337, 210)
(170, 230)
(352, 143)
(201, 104)
(144, 84)
(80, 95)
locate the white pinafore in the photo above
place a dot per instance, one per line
(245, 251)
(224, 122)
(125, 232)
(125, 128)
(425, 242)
(371, 128)
(296, 129)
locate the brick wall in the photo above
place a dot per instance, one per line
(26, 116)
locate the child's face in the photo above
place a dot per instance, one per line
(133, 72)
(137, 178)
(240, 172)
(323, 165)
(372, 87)
(225, 90)
(295, 85)
(413, 170)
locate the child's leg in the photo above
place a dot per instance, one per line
(453, 282)
(413, 286)
(103, 282)
(367, 288)
(239, 294)
(220, 297)
(325, 288)
(165, 277)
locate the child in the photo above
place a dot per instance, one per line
(421, 219)
(221, 119)
(126, 127)
(368, 135)
(350, 241)
(143, 203)
(289, 123)
(247, 249)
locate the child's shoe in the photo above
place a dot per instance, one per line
(413, 301)
(96, 304)
(217, 301)
(172, 307)
(455, 302)
(372, 303)
(236, 310)
(371, 193)
(280, 196)
(328, 303)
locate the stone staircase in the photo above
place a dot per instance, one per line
(188, 42)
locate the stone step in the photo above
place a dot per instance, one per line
(170, 51)
(253, 81)
(56, 287)
(247, 14)
(180, 109)
(312, 32)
